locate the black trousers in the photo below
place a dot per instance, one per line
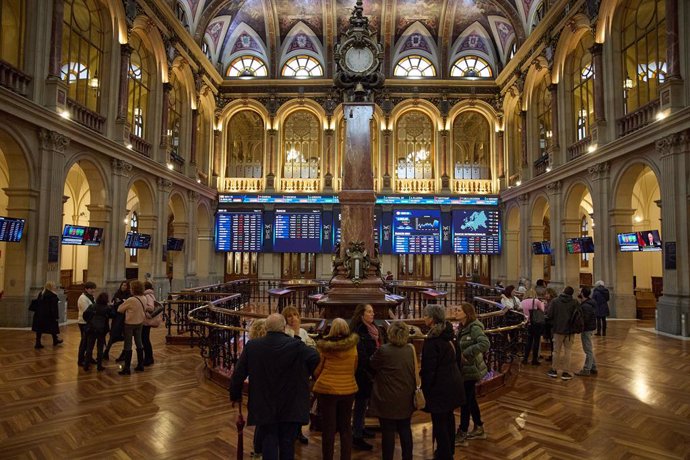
(471, 407)
(336, 414)
(388, 429)
(81, 354)
(601, 325)
(146, 341)
(443, 428)
(95, 338)
(534, 332)
(38, 338)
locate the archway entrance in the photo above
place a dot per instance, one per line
(511, 246)
(139, 219)
(579, 229)
(540, 230)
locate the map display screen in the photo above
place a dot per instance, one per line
(476, 231)
(417, 232)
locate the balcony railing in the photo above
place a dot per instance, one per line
(86, 117)
(243, 184)
(300, 185)
(140, 145)
(579, 148)
(540, 165)
(474, 186)
(14, 79)
(637, 119)
(415, 185)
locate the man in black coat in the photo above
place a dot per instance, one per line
(278, 367)
(589, 314)
(560, 314)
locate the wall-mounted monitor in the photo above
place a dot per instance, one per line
(297, 230)
(476, 231)
(627, 242)
(417, 231)
(239, 231)
(541, 247)
(11, 229)
(175, 244)
(649, 240)
(78, 235)
(136, 240)
(580, 245)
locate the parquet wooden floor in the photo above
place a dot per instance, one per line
(637, 407)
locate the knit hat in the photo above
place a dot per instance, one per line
(600, 283)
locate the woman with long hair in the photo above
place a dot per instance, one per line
(392, 397)
(441, 380)
(472, 344)
(118, 324)
(135, 309)
(149, 323)
(335, 387)
(370, 340)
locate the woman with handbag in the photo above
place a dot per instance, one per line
(535, 312)
(149, 322)
(441, 380)
(134, 309)
(118, 324)
(392, 396)
(472, 344)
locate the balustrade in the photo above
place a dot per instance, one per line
(140, 145)
(579, 148)
(472, 186)
(243, 184)
(637, 119)
(415, 185)
(14, 79)
(300, 185)
(85, 117)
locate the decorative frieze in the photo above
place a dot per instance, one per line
(121, 167)
(599, 170)
(673, 143)
(52, 140)
(553, 188)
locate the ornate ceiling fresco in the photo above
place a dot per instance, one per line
(440, 30)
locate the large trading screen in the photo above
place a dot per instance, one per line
(239, 231)
(476, 231)
(417, 231)
(297, 230)
(11, 230)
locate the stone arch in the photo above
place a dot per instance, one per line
(150, 34)
(98, 178)
(400, 52)
(536, 72)
(237, 106)
(624, 180)
(178, 205)
(286, 52)
(607, 10)
(416, 104)
(541, 212)
(511, 246)
(288, 108)
(144, 190)
(569, 39)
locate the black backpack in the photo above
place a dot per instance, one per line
(577, 320)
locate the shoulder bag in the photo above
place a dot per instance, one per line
(419, 400)
(536, 316)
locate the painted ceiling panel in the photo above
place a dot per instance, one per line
(428, 12)
(290, 12)
(252, 13)
(372, 9)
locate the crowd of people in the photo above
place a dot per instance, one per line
(128, 315)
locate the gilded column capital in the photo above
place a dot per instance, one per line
(52, 140)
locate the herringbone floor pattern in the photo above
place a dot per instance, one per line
(637, 407)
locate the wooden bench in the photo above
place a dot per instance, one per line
(646, 304)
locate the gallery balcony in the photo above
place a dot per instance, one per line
(414, 185)
(300, 185)
(242, 184)
(472, 186)
(14, 79)
(637, 119)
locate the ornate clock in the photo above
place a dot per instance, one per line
(358, 55)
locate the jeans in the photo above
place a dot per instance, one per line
(358, 416)
(279, 440)
(471, 407)
(146, 340)
(388, 429)
(133, 330)
(443, 428)
(534, 332)
(562, 345)
(586, 338)
(336, 415)
(601, 325)
(93, 338)
(81, 354)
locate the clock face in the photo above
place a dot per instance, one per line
(359, 59)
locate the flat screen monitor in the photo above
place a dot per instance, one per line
(587, 244)
(476, 231)
(649, 240)
(627, 242)
(580, 245)
(136, 240)
(239, 231)
(541, 247)
(175, 244)
(78, 235)
(417, 231)
(11, 229)
(297, 230)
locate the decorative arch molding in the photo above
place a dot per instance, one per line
(570, 37)
(22, 167)
(621, 186)
(145, 191)
(297, 105)
(539, 206)
(423, 106)
(512, 212)
(178, 203)
(526, 10)
(426, 46)
(214, 33)
(118, 19)
(151, 36)
(474, 40)
(206, 100)
(481, 107)
(256, 47)
(235, 107)
(504, 35)
(607, 10)
(536, 72)
(184, 74)
(203, 216)
(573, 197)
(96, 176)
(312, 47)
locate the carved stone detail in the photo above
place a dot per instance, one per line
(164, 184)
(523, 199)
(193, 196)
(599, 170)
(52, 140)
(121, 167)
(670, 144)
(553, 188)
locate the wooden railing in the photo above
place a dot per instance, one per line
(14, 79)
(414, 185)
(637, 119)
(140, 145)
(579, 148)
(474, 186)
(243, 184)
(300, 185)
(85, 117)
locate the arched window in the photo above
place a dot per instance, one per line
(515, 144)
(302, 146)
(175, 116)
(513, 50)
(302, 67)
(203, 140)
(133, 227)
(82, 52)
(181, 15)
(582, 80)
(245, 147)
(247, 67)
(471, 146)
(471, 67)
(206, 50)
(415, 146)
(544, 116)
(139, 77)
(414, 67)
(12, 18)
(584, 231)
(643, 48)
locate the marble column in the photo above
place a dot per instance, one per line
(445, 180)
(500, 154)
(525, 270)
(217, 156)
(55, 88)
(271, 152)
(555, 143)
(167, 87)
(535, 233)
(570, 228)
(114, 237)
(671, 92)
(193, 141)
(604, 240)
(146, 258)
(623, 304)
(177, 258)
(598, 129)
(99, 216)
(558, 252)
(122, 126)
(675, 227)
(328, 178)
(191, 249)
(523, 145)
(159, 237)
(387, 134)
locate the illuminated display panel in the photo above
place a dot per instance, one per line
(239, 231)
(417, 231)
(476, 231)
(11, 230)
(297, 230)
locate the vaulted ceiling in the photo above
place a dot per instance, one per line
(441, 30)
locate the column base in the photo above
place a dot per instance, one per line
(386, 184)
(624, 306)
(270, 182)
(671, 95)
(56, 94)
(445, 184)
(669, 310)
(122, 132)
(599, 131)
